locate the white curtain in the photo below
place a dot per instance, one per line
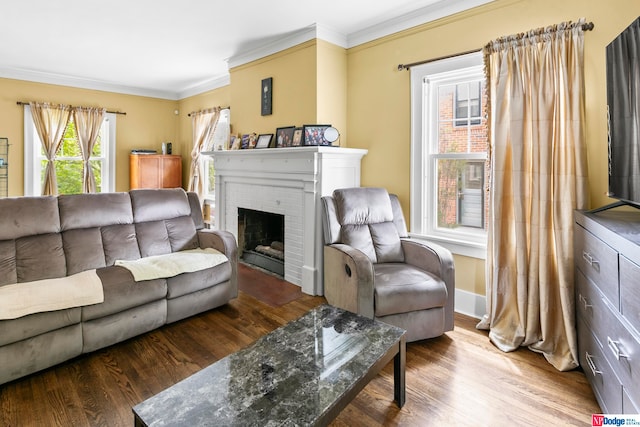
(204, 126)
(50, 122)
(538, 178)
(88, 123)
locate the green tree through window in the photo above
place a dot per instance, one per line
(68, 162)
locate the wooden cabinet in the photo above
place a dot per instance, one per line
(607, 255)
(155, 171)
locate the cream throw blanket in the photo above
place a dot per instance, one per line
(24, 298)
(169, 265)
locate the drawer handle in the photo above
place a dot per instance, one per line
(615, 349)
(584, 302)
(594, 263)
(592, 365)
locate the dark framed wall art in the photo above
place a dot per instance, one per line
(266, 96)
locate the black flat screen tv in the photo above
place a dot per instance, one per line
(623, 101)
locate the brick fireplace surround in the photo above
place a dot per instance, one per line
(290, 182)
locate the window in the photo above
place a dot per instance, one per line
(449, 154)
(467, 106)
(69, 159)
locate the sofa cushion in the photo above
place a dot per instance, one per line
(187, 283)
(121, 292)
(8, 272)
(153, 205)
(153, 238)
(182, 233)
(40, 257)
(28, 216)
(83, 249)
(15, 330)
(401, 288)
(94, 210)
(119, 242)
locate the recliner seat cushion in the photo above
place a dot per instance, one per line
(401, 288)
(121, 292)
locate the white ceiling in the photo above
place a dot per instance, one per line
(173, 49)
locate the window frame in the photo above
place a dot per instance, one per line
(32, 159)
(423, 209)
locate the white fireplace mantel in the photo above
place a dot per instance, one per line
(290, 182)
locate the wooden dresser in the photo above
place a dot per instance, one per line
(155, 171)
(607, 254)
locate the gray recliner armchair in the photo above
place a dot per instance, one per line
(373, 268)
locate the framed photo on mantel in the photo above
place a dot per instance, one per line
(314, 134)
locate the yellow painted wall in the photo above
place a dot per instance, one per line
(294, 90)
(148, 122)
(332, 87)
(379, 95)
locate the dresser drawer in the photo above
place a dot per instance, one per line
(591, 306)
(622, 350)
(598, 262)
(629, 405)
(601, 376)
(630, 292)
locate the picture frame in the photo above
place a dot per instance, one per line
(284, 136)
(264, 140)
(234, 142)
(244, 141)
(266, 93)
(297, 137)
(253, 139)
(314, 135)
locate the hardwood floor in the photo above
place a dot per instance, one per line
(459, 379)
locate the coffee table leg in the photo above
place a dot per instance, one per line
(399, 362)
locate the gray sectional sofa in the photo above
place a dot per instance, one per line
(51, 237)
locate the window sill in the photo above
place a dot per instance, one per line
(457, 247)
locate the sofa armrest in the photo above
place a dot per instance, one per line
(225, 242)
(348, 279)
(436, 260)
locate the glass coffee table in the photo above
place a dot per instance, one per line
(303, 373)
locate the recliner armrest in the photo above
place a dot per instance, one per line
(225, 242)
(436, 260)
(348, 279)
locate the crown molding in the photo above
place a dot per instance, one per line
(412, 19)
(82, 83)
(289, 40)
(205, 86)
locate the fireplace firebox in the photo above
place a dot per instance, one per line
(261, 239)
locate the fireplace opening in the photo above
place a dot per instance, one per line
(261, 239)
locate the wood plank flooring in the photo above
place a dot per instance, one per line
(459, 379)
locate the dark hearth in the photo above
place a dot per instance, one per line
(260, 239)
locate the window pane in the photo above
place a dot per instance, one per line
(69, 175)
(461, 197)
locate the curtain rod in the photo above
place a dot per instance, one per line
(221, 108)
(112, 112)
(588, 26)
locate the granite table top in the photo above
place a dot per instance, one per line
(303, 373)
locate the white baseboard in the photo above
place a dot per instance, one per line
(470, 304)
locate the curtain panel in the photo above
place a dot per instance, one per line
(204, 125)
(50, 122)
(538, 178)
(88, 123)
